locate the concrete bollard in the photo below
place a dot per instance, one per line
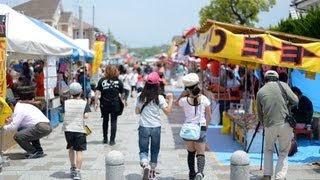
(114, 165)
(239, 166)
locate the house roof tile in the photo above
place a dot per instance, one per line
(39, 9)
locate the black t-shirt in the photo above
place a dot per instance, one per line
(110, 90)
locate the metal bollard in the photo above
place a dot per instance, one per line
(239, 166)
(114, 165)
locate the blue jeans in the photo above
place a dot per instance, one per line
(145, 135)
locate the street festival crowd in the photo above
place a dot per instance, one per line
(146, 83)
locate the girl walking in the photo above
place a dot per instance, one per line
(197, 110)
(148, 105)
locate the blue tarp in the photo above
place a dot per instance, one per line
(77, 51)
(308, 87)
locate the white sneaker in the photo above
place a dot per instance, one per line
(77, 176)
(199, 176)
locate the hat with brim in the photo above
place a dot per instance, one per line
(271, 74)
(190, 79)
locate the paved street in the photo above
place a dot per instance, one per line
(172, 158)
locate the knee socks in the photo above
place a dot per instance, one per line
(200, 162)
(191, 162)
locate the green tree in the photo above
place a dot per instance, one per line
(243, 12)
(113, 40)
(306, 25)
(143, 53)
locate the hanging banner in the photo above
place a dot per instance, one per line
(251, 49)
(3, 56)
(98, 55)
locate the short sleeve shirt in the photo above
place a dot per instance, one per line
(110, 88)
(192, 115)
(150, 116)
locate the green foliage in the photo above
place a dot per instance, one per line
(243, 12)
(112, 40)
(307, 25)
(143, 53)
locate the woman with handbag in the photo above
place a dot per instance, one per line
(197, 113)
(110, 88)
(148, 105)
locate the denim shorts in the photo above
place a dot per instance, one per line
(202, 139)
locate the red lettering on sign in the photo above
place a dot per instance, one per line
(253, 46)
(292, 54)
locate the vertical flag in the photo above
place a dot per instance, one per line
(3, 56)
(98, 52)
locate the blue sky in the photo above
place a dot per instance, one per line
(142, 23)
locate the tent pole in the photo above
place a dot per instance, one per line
(289, 76)
(245, 89)
(47, 90)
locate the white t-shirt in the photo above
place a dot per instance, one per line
(150, 115)
(25, 116)
(134, 79)
(189, 110)
(125, 78)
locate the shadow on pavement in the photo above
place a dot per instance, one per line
(15, 156)
(133, 177)
(94, 142)
(139, 177)
(60, 175)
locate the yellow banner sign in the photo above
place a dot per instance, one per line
(250, 49)
(3, 56)
(98, 55)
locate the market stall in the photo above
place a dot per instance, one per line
(249, 47)
(25, 38)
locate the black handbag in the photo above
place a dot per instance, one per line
(289, 118)
(121, 107)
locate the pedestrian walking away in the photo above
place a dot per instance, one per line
(76, 111)
(109, 89)
(272, 111)
(197, 110)
(148, 105)
(31, 125)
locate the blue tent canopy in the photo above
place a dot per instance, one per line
(77, 51)
(308, 87)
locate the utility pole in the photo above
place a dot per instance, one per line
(80, 23)
(93, 35)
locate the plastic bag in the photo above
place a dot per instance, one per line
(5, 110)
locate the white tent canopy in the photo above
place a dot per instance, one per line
(77, 50)
(24, 36)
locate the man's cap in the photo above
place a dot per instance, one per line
(271, 74)
(153, 78)
(190, 79)
(75, 88)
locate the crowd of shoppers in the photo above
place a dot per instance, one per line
(148, 87)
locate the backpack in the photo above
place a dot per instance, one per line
(293, 147)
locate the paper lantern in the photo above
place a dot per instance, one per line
(203, 63)
(215, 68)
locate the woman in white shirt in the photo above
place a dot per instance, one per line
(148, 105)
(197, 110)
